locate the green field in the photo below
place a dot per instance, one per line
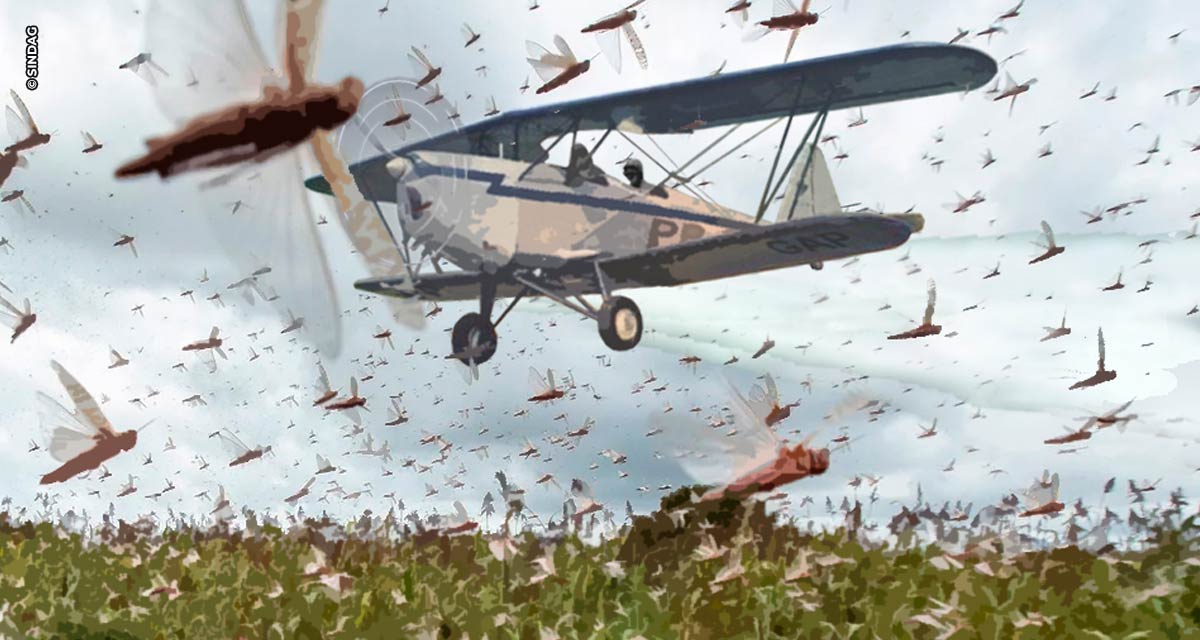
(326, 581)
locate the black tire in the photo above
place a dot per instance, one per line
(620, 323)
(470, 332)
(817, 266)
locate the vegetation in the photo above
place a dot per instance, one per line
(761, 579)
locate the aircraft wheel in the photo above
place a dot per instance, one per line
(473, 338)
(817, 266)
(620, 323)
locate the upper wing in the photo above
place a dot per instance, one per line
(25, 115)
(541, 54)
(1041, 493)
(217, 42)
(561, 44)
(610, 44)
(301, 25)
(1119, 409)
(1049, 233)
(783, 8)
(851, 80)
(323, 385)
(85, 405)
(233, 444)
(635, 42)
(718, 456)
(17, 129)
(930, 303)
(537, 381)
(423, 60)
(69, 437)
(10, 313)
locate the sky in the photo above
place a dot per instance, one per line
(83, 288)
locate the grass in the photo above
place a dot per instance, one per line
(325, 581)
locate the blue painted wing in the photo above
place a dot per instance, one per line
(856, 79)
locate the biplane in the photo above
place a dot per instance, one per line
(486, 200)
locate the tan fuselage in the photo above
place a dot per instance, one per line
(486, 217)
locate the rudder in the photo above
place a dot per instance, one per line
(809, 193)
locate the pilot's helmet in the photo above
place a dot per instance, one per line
(633, 172)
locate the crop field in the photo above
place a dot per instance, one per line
(726, 570)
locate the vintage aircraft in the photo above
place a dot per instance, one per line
(484, 199)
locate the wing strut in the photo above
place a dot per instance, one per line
(818, 124)
(822, 116)
(678, 173)
(572, 169)
(530, 284)
(669, 172)
(762, 203)
(515, 300)
(571, 128)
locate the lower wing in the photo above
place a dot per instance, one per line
(743, 251)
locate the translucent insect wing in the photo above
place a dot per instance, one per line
(561, 44)
(216, 40)
(610, 45)
(85, 404)
(17, 129)
(68, 436)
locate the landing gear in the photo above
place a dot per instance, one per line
(618, 318)
(473, 339)
(817, 266)
(620, 323)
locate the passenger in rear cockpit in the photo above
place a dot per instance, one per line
(637, 179)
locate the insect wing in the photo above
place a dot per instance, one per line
(537, 381)
(540, 54)
(561, 44)
(610, 44)
(635, 42)
(232, 443)
(714, 457)
(17, 129)
(26, 118)
(929, 305)
(85, 405)
(68, 436)
(217, 42)
(784, 7)
(301, 26)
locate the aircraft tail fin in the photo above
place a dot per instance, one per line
(809, 192)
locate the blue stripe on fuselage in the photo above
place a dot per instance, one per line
(496, 187)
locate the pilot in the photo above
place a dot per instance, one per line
(636, 178)
(581, 168)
